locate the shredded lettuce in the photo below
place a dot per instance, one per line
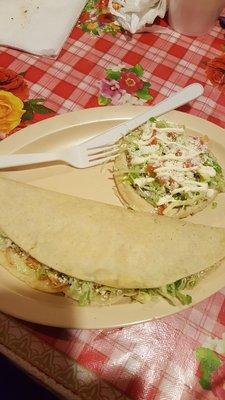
(85, 292)
(157, 189)
(212, 162)
(80, 291)
(152, 192)
(41, 273)
(133, 173)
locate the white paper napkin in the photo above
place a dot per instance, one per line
(38, 26)
(133, 15)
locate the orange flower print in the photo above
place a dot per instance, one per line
(12, 82)
(215, 71)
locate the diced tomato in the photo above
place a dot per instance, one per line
(150, 168)
(188, 164)
(154, 141)
(172, 135)
(160, 209)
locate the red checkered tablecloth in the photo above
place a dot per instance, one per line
(160, 359)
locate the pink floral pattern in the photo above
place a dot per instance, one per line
(124, 85)
(110, 89)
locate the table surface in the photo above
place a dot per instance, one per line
(174, 358)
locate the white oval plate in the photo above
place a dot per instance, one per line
(19, 300)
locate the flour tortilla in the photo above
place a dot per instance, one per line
(102, 243)
(130, 198)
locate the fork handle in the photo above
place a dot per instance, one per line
(15, 160)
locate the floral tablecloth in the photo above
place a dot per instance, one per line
(181, 357)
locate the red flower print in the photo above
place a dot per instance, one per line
(105, 18)
(218, 382)
(215, 71)
(85, 16)
(14, 83)
(130, 82)
(102, 4)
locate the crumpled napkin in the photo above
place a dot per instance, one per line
(133, 15)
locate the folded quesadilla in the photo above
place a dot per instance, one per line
(163, 170)
(99, 253)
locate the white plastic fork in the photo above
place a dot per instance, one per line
(99, 149)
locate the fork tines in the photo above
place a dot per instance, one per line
(103, 153)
